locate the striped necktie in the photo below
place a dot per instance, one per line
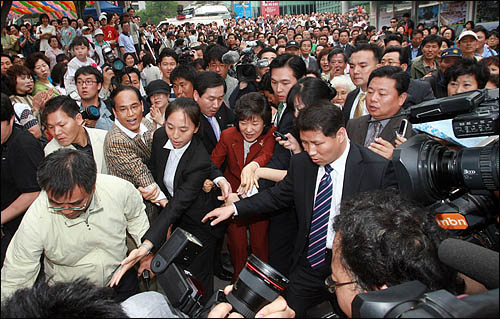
(319, 224)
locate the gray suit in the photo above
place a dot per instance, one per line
(358, 127)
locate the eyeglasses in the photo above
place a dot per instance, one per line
(86, 82)
(331, 285)
(76, 209)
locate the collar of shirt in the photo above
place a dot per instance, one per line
(177, 151)
(94, 207)
(142, 129)
(339, 164)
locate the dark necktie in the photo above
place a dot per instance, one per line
(319, 224)
(374, 134)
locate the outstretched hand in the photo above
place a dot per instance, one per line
(219, 215)
(134, 256)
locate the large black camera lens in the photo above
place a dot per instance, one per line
(91, 112)
(258, 285)
(427, 171)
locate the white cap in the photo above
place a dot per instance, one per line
(85, 28)
(97, 32)
(466, 33)
(103, 16)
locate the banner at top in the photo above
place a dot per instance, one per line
(269, 8)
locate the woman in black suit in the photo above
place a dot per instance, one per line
(180, 164)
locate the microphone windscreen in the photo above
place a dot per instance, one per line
(230, 57)
(474, 261)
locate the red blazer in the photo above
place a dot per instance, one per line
(230, 148)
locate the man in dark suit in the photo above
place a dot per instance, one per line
(305, 54)
(364, 59)
(386, 95)
(209, 90)
(418, 91)
(330, 170)
(413, 49)
(344, 42)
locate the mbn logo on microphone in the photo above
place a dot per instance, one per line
(452, 221)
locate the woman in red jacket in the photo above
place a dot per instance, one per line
(251, 142)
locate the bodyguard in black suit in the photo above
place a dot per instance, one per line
(362, 170)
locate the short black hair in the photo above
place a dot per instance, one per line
(215, 52)
(188, 106)
(375, 49)
(79, 40)
(266, 49)
(403, 56)
(61, 57)
(208, 79)
(432, 38)
(392, 72)
(77, 298)
(417, 31)
(292, 61)
(393, 37)
(6, 56)
(185, 71)
(321, 115)
(89, 70)
(467, 66)
(61, 171)
(126, 55)
(127, 70)
(44, 15)
(122, 88)
(58, 72)
(310, 89)
(7, 108)
(168, 52)
(480, 28)
(395, 241)
(200, 62)
(148, 60)
(252, 104)
(63, 102)
(337, 51)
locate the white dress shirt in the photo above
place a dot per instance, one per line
(173, 161)
(337, 175)
(355, 104)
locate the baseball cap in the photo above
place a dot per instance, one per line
(466, 33)
(450, 52)
(85, 28)
(157, 86)
(170, 34)
(97, 32)
(292, 43)
(103, 16)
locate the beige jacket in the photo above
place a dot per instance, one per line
(97, 138)
(91, 245)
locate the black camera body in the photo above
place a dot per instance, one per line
(90, 112)
(170, 263)
(111, 60)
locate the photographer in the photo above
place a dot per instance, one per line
(396, 241)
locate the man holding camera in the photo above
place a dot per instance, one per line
(79, 223)
(89, 82)
(64, 121)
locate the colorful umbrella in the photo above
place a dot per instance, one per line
(56, 9)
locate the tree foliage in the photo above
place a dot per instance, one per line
(158, 10)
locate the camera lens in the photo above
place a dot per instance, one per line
(427, 171)
(118, 65)
(258, 285)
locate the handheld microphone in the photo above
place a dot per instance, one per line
(230, 57)
(472, 260)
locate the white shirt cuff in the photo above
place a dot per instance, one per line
(218, 179)
(235, 210)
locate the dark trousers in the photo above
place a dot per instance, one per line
(282, 233)
(202, 267)
(307, 286)
(128, 285)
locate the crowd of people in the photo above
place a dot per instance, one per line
(116, 132)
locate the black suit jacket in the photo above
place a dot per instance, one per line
(349, 100)
(364, 171)
(225, 118)
(347, 50)
(189, 203)
(358, 127)
(418, 92)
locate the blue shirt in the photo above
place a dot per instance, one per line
(126, 42)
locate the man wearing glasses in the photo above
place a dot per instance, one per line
(89, 81)
(79, 223)
(394, 24)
